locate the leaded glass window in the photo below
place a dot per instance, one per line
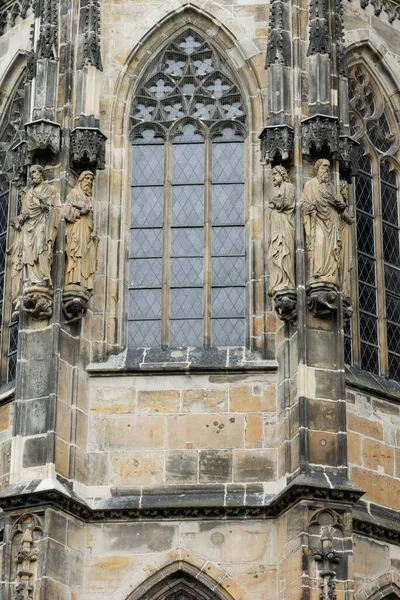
(376, 343)
(11, 133)
(187, 243)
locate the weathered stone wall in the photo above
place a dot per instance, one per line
(239, 556)
(373, 437)
(182, 430)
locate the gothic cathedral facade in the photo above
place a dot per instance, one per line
(200, 299)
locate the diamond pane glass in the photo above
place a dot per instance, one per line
(365, 233)
(394, 366)
(147, 164)
(186, 303)
(228, 241)
(369, 358)
(392, 280)
(188, 163)
(144, 334)
(145, 273)
(187, 205)
(389, 199)
(227, 204)
(228, 162)
(392, 308)
(228, 332)
(228, 302)
(146, 243)
(147, 206)
(186, 332)
(366, 269)
(144, 304)
(186, 272)
(393, 337)
(187, 241)
(367, 298)
(391, 244)
(364, 199)
(227, 271)
(368, 328)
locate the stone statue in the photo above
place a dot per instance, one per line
(322, 210)
(281, 250)
(81, 248)
(32, 250)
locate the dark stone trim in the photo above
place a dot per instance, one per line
(7, 393)
(372, 384)
(376, 522)
(184, 502)
(178, 360)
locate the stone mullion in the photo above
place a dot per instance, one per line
(166, 255)
(380, 268)
(207, 241)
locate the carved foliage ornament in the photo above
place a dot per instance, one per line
(326, 533)
(42, 135)
(90, 16)
(47, 43)
(319, 28)
(26, 530)
(390, 7)
(279, 43)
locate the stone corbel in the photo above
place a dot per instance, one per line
(75, 303)
(285, 302)
(276, 141)
(322, 299)
(43, 135)
(320, 131)
(88, 148)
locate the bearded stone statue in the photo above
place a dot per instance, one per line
(322, 210)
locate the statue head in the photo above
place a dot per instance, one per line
(344, 190)
(85, 182)
(279, 174)
(37, 174)
(323, 170)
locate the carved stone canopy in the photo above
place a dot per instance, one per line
(276, 141)
(43, 135)
(322, 299)
(320, 131)
(88, 148)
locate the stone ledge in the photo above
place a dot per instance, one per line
(7, 392)
(181, 502)
(185, 359)
(373, 384)
(377, 522)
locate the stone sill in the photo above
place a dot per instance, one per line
(372, 384)
(183, 360)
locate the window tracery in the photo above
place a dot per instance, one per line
(375, 340)
(187, 246)
(11, 133)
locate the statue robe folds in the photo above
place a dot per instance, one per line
(40, 218)
(281, 250)
(81, 243)
(322, 224)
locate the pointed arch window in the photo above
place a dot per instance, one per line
(187, 236)
(376, 334)
(11, 133)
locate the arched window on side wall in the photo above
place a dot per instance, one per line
(375, 343)
(187, 235)
(11, 133)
